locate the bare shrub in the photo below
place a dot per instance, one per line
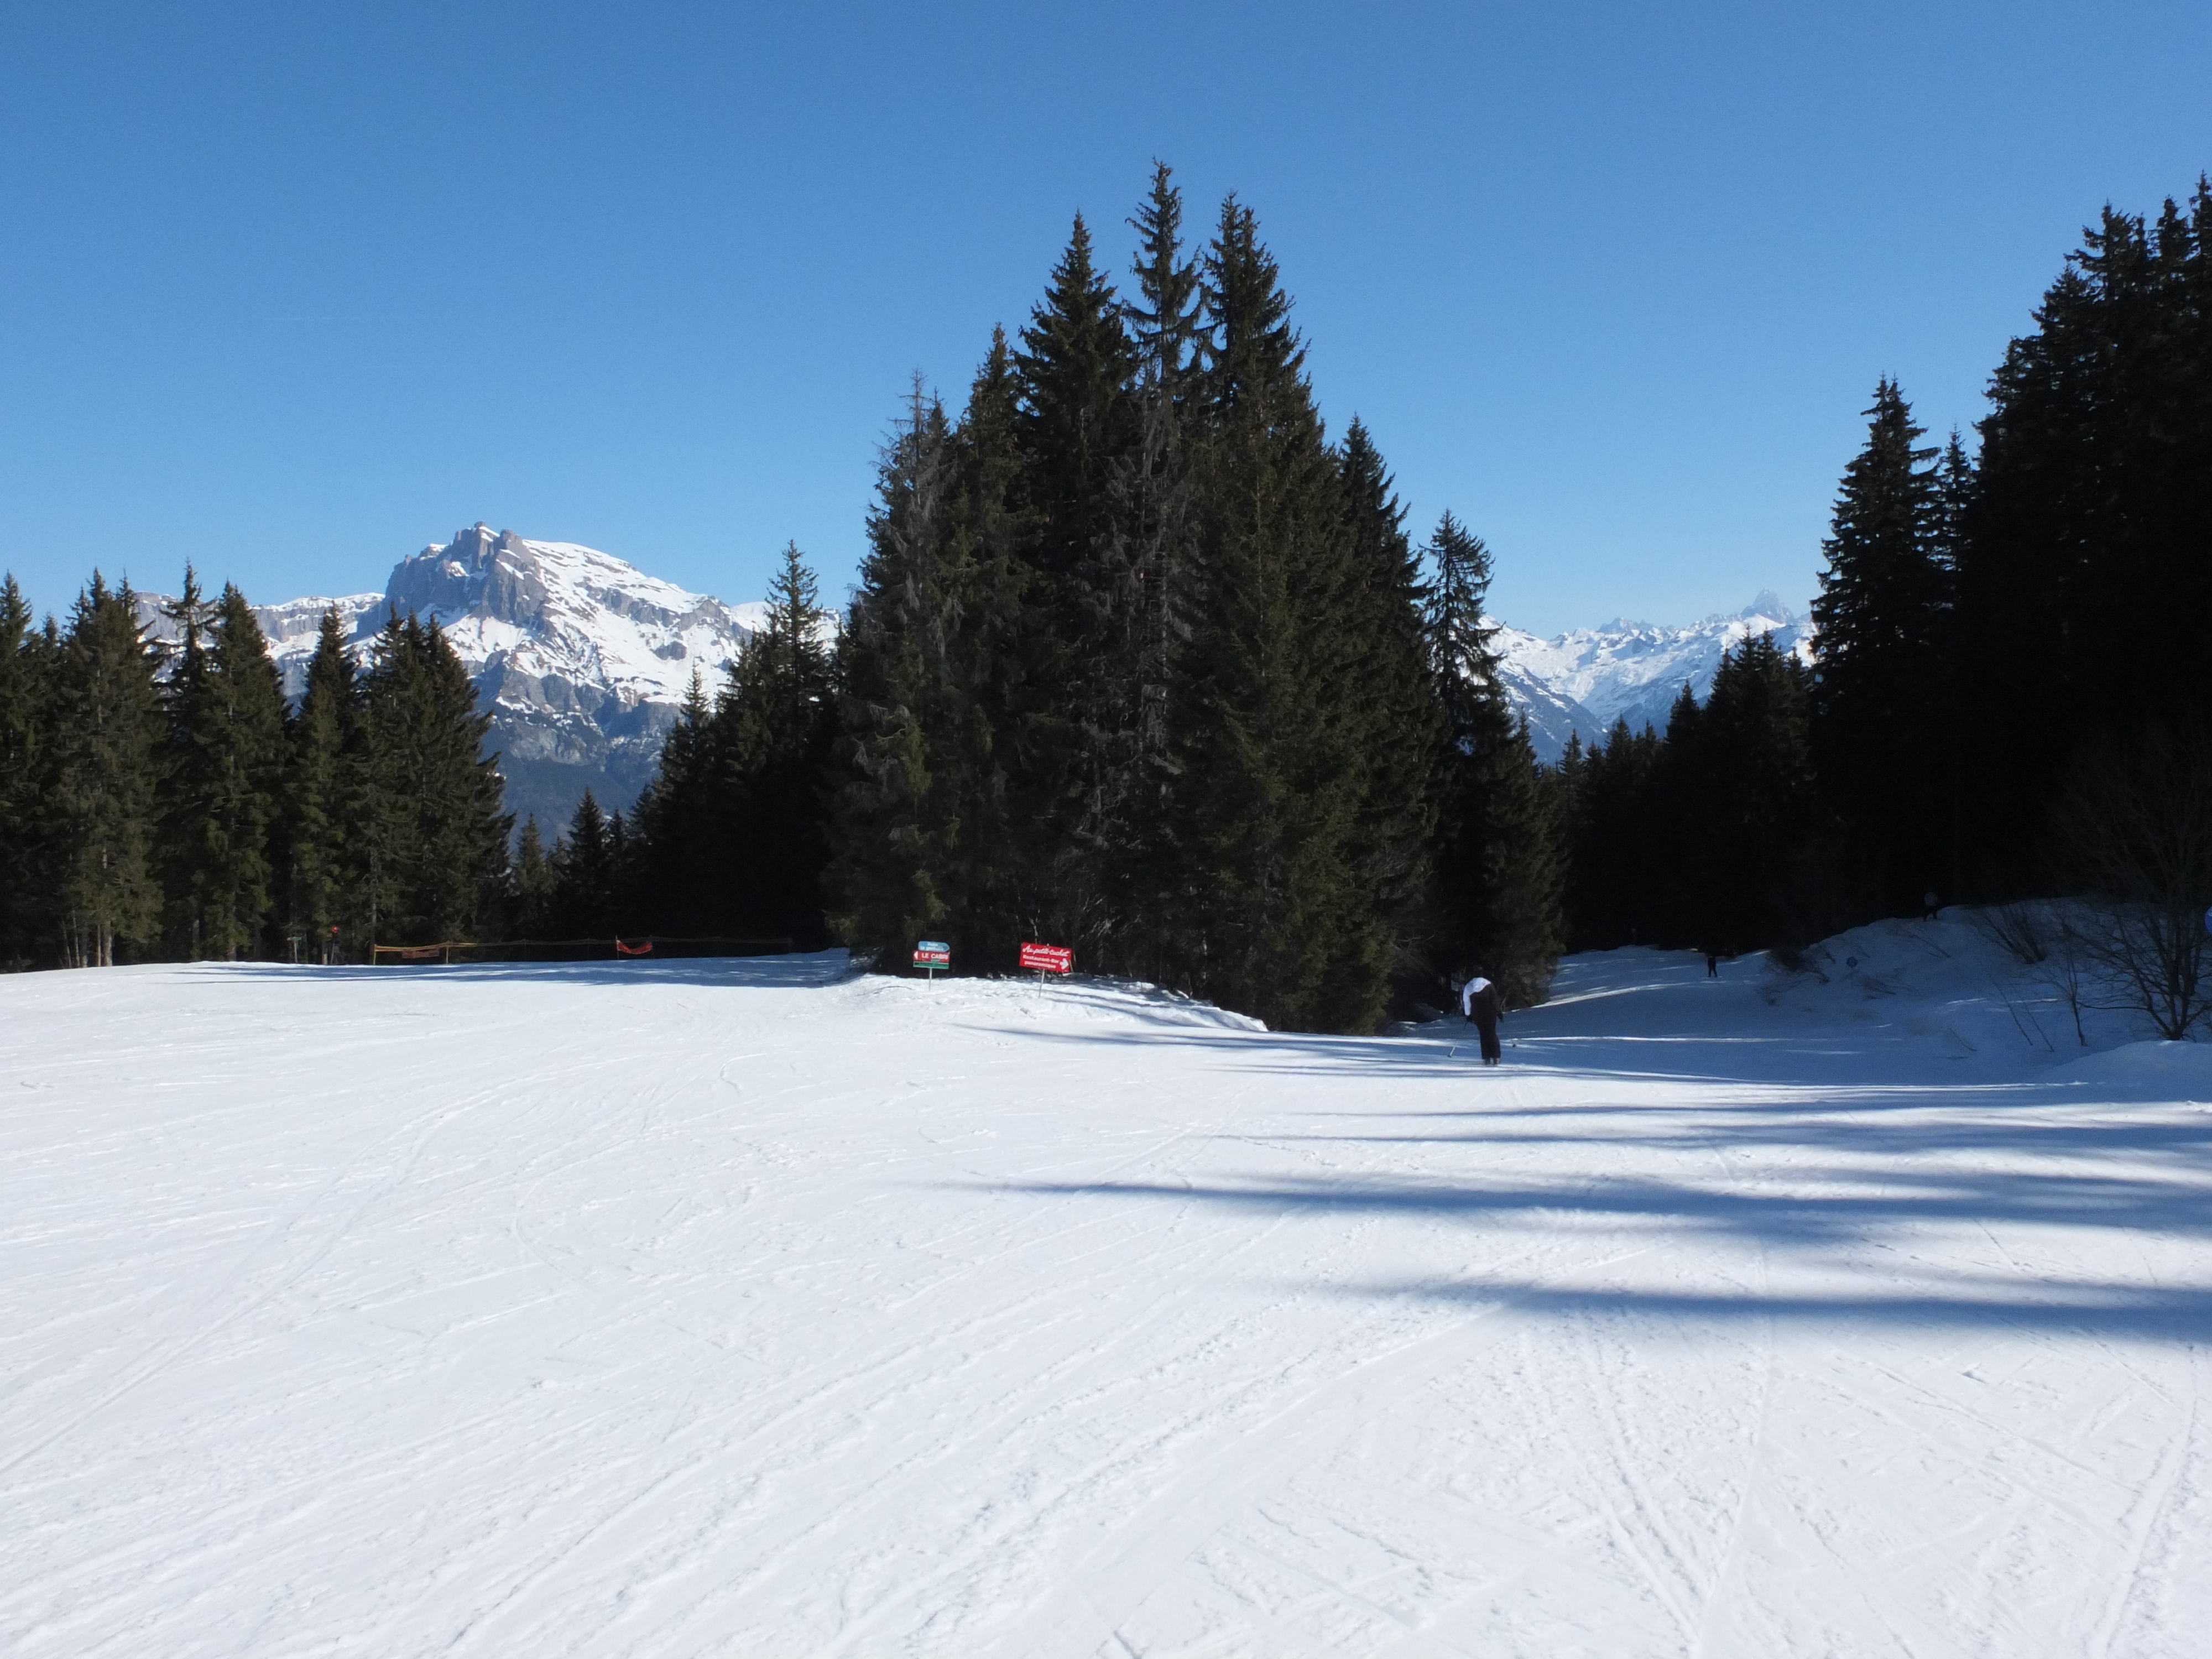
(2041, 936)
(2135, 827)
(2023, 930)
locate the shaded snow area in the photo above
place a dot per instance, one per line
(755, 1308)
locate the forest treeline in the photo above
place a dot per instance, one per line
(1144, 661)
(161, 801)
(2001, 638)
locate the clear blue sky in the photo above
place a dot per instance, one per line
(291, 290)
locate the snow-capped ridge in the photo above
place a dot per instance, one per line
(1585, 680)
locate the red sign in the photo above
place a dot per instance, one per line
(1048, 958)
(933, 953)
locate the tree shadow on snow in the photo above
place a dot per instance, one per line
(2112, 1312)
(788, 972)
(1874, 1180)
(1452, 1051)
(1825, 1206)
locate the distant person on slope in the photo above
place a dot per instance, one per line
(1479, 1001)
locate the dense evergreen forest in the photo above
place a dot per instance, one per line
(2007, 645)
(1144, 662)
(162, 801)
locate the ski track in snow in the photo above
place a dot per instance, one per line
(758, 1309)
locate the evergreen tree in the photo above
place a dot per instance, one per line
(25, 764)
(1402, 740)
(1154, 508)
(1077, 422)
(2082, 580)
(1623, 864)
(1267, 806)
(585, 871)
(323, 799)
(1878, 703)
(895, 827)
(779, 716)
(1001, 765)
(536, 882)
(224, 775)
(679, 817)
(433, 838)
(1500, 878)
(181, 678)
(1749, 773)
(106, 768)
(1955, 492)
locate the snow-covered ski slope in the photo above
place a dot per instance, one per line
(752, 1308)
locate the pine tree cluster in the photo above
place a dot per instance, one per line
(1990, 632)
(1143, 664)
(160, 800)
(1709, 837)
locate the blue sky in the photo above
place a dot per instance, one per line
(291, 291)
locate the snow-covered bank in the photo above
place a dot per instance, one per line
(748, 1308)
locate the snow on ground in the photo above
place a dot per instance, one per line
(754, 1309)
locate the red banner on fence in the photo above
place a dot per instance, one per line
(643, 950)
(1048, 958)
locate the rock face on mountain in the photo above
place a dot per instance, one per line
(580, 659)
(1585, 680)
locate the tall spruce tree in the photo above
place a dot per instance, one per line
(107, 770)
(1268, 803)
(1403, 740)
(1155, 516)
(181, 677)
(435, 839)
(1499, 878)
(1004, 756)
(586, 875)
(224, 777)
(323, 800)
(1077, 422)
(779, 715)
(26, 666)
(1880, 723)
(536, 882)
(897, 708)
(681, 816)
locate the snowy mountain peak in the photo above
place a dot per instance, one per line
(520, 612)
(1768, 605)
(1584, 680)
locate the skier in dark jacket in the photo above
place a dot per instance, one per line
(1480, 1001)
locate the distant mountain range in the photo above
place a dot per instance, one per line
(1586, 680)
(582, 659)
